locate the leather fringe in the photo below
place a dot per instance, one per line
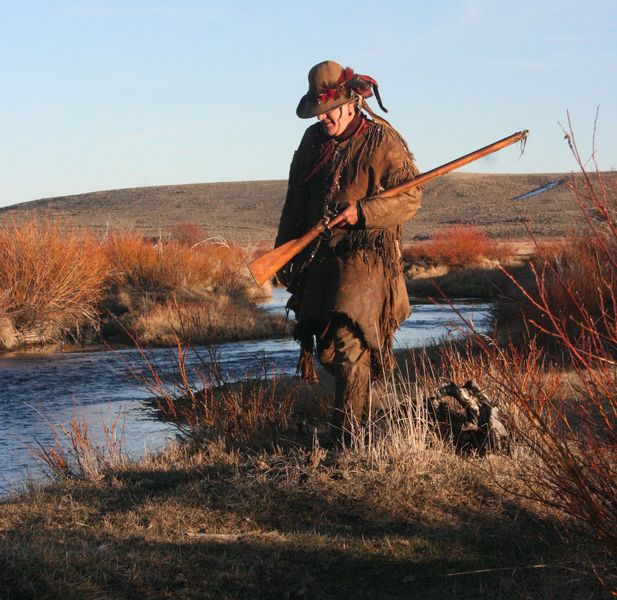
(378, 244)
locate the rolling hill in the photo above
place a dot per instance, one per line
(248, 211)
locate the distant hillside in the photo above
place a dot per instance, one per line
(249, 211)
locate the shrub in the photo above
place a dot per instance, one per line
(457, 246)
(189, 234)
(578, 291)
(252, 411)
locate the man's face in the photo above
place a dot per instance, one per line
(335, 121)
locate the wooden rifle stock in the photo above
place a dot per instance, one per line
(265, 266)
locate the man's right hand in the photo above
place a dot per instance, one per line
(349, 216)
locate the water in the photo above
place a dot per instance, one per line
(40, 392)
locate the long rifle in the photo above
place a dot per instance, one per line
(265, 266)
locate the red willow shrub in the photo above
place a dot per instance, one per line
(578, 280)
(570, 305)
(457, 246)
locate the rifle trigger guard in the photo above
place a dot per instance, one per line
(326, 234)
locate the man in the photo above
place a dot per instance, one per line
(348, 291)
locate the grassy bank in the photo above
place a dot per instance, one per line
(263, 510)
(209, 523)
(62, 285)
(255, 504)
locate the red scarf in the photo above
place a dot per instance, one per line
(356, 127)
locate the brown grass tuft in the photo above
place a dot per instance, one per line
(211, 318)
(76, 455)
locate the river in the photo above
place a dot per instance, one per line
(41, 392)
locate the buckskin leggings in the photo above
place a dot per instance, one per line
(343, 353)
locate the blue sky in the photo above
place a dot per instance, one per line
(108, 94)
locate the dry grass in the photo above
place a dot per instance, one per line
(59, 284)
(247, 212)
(51, 279)
(173, 265)
(397, 514)
(76, 455)
(459, 262)
(206, 318)
(254, 505)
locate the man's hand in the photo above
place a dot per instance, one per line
(348, 217)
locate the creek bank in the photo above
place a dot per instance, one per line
(201, 521)
(154, 320)
(486, 281)
(405, 517)
(66, 286)
(466, 264)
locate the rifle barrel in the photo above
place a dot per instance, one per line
(456, 164)
(264, 267)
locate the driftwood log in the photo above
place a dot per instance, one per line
(468, 418)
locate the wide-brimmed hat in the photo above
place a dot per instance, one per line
(331, 85)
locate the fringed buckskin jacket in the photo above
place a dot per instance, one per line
(357, 271)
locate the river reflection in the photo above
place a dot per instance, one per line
(37, 390)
